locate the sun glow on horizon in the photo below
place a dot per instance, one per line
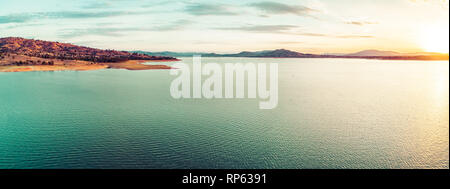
(435, 39)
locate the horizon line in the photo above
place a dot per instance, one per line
(239, 51)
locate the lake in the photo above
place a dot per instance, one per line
(332, 113)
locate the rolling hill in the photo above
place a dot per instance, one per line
(66, 51)
(23, 55)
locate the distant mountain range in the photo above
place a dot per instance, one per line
(375, 53)
(279, 53)
(283, 53)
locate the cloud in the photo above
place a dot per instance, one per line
(101, 30)
(289, 42)
(76, 15)
(16, 18)
(279, 8)
(278, 29)
(354, 36)
(152, 4)
(210, 9)
(97, 5)
(334, 36)
(174, 26)
(262, 28)
(22, 18)
(22, 25)
(288, 30)
(311, 34)
(360, 23)
(98, 31)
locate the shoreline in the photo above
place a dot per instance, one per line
(137, 65)
(128, 65)
(337, 57)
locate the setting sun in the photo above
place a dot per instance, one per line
(435, 39)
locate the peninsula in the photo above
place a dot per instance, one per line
(21, 55)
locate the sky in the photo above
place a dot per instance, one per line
(309, 26)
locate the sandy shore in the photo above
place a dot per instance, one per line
(137, 65)
(85, 66)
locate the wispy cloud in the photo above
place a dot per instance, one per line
(279, 8)
(289, 42)
(331, 35)
(360, 23)
(210, 9)
(311, 34)
(16, 18)
(21, 25)
(97, 5)
(22, 18)
(288, 30)
(261, 28)
(174, 26)
(107, 30)
(97, 31)
(354, 36)
(151, 4)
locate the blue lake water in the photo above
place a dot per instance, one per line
(332, 113)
